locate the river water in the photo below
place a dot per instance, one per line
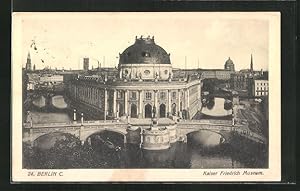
(179, 155)
(218, 109)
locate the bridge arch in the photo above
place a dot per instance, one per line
(86, 134)
(221, 138)
(47, 140)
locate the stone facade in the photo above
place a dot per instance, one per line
(139, 99)
(142, 89)
(239, 81)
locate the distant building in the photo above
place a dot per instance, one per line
(50, 79)
(220, 74)
(229, 65)
(259, 87)
(239, 81)
(244, 79)
(28, 62)
(85, 63)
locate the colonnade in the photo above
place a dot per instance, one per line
(99, 98)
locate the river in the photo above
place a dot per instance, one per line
(218, 108)
(180, 155)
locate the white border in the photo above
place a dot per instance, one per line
(273, 173)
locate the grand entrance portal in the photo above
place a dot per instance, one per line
(133, 111)
(148, 111)
(162, 110)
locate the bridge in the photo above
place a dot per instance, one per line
(88, 128)
(82, 131)
(222, 127)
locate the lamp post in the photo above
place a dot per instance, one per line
(81, 118)
(74, 115)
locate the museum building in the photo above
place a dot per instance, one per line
(144, 87)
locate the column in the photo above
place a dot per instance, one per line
(88, 94)
(140, 114)
(188, 98)
(126, 102)
(105, 103)
(84, 93)
(79, 92)
(115, 103)
(179, 100)
(93, 96)
(156, 102)
(188, 103)
(169, 103)
(199, 97)
(98, 97)
(185, 106)
(75, 92)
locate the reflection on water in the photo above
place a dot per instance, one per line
(39, 101)
(200, 161)
(59, 102)
(182, 155)
(217, 109)
(43, 113)
(206, 138)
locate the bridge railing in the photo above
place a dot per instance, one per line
(71, 123)
(39, 125)
(213, 121)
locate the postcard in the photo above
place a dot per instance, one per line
(146, 97)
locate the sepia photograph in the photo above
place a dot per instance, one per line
(146, 96)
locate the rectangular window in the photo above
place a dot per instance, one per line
(162, 95)
(133, 95)
(174, 95)
(119, 94)
(148, 95)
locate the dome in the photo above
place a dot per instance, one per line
(229, 62)
(144, 51)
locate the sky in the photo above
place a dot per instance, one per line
(205, 39)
